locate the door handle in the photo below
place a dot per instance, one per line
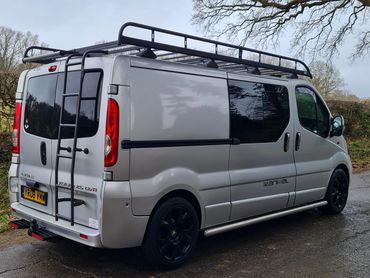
(297, 141)
(286, 142)
(43, 153)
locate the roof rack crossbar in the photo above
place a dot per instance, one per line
(43, 58)
(123, 39)
(212, 56)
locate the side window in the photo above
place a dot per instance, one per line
(323, 117)
(312, 113)
(258, 112)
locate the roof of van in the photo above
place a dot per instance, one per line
(215, 54)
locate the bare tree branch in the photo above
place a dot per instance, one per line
(319, 26)
(326, 78)
(12, 46)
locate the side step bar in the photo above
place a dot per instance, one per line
(248, 222)
(42, 234)
(19, 224)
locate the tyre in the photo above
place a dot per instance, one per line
(172, 234)
(337, 192)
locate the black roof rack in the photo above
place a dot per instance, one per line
(224, 56)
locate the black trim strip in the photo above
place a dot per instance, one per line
(128, 144)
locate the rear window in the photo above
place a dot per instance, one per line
(44, 101)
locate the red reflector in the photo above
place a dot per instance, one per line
(13, 225)
(16, 128)
(52, 68)
(111, 133)
(84, 236)
(13, 210)
(37, 236)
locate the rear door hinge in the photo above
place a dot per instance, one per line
(112, 89)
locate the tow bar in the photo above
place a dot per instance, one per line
(40, 233)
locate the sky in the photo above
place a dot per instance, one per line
(75, 23)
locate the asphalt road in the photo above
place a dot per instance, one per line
(308, 244)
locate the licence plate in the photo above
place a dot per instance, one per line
(34, 195)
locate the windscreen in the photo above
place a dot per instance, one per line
(44, 101)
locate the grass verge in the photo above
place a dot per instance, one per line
(359, 150)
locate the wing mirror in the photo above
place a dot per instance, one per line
(337, 126)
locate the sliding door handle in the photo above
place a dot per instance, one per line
(286, 142)
(297, 141)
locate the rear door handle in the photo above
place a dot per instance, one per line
(43, 153)
(286, 142)
(297, 141)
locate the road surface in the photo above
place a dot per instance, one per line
(308, 244)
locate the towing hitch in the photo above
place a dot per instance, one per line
(40, 233)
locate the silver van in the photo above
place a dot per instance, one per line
(139, 142)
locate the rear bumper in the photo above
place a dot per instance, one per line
(118, 228)
(60, 227)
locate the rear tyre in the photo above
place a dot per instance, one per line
(172, 234)
(337, 192)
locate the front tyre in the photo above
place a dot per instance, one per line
(172, 233)
(337, 192)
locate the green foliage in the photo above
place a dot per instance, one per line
(5, 155)
(4, 202)
(359, 150)
(5, 148)
(4, 219)
(356, 117)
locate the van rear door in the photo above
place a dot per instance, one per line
(38, 122)
(39, 137)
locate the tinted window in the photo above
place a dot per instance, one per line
(258, 112)
(40, 105)
(312, 113)
(89, 111)
(44, 99)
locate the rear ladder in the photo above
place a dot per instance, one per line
(74, 202)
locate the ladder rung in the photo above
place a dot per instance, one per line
(60, 200)
(63, 187)
(71, 95)
(88, 98)
(73, 64)
(64, 156)
(63, 217)
(68, 125)
(76, 202)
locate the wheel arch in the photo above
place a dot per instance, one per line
(344, 167)
(187, 195)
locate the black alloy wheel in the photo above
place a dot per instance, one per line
(337, 192)
(172, 233)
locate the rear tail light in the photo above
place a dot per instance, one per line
(111, 134)
(16, 128)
